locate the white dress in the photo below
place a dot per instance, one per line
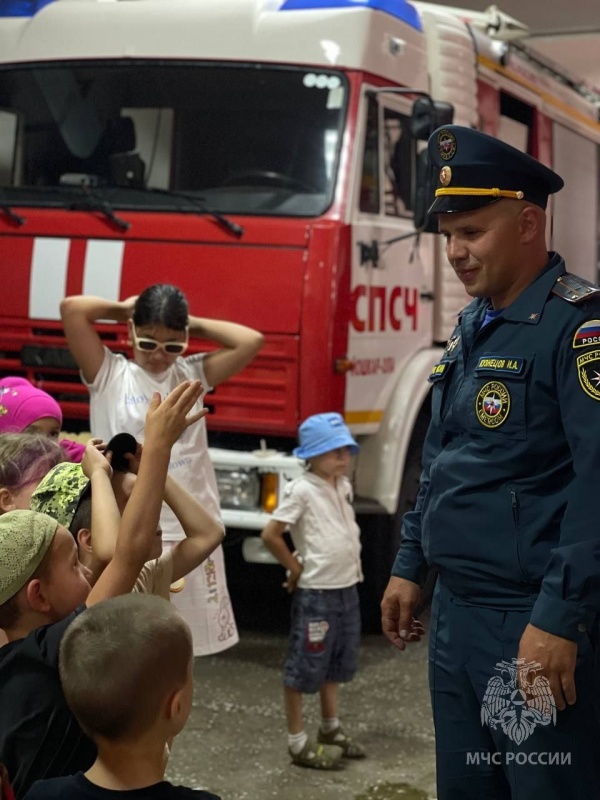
(119, 398)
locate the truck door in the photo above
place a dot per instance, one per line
(392, 283)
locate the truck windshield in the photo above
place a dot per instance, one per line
(243, 138)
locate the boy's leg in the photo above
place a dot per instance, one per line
(328, 693)
(344, 633)
(304, 673)
(293, 709)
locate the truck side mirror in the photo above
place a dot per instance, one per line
(427, 115)
(424, 194)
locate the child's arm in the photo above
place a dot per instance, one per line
(203, 532)
(239, 346)
(105, 512)
(165, 422)
(272, 536)
(79, 312)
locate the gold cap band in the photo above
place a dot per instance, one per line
(472, 192)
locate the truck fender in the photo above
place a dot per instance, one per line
(382, 456)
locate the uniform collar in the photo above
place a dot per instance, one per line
(318, 481)
(530, 303)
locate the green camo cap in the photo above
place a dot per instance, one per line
(60, 491)
(25, 538)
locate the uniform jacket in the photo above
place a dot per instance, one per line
(506, 507)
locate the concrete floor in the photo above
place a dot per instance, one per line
(235, 741)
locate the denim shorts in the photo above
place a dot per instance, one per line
(324, 638)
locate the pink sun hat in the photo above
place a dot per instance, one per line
(21, 404)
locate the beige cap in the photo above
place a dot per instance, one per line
(25, 538)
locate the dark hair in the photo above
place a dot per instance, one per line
(27, 457)
(120, 660)
(161, 304)
(82, 518)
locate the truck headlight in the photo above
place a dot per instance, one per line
(238, 488)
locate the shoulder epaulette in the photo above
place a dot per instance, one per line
(574, 289)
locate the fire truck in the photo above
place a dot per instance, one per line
(267, 157)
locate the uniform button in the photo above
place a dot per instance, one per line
(582, 627)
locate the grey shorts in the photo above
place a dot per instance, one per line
(324, 638)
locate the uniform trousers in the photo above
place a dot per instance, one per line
(531, 757)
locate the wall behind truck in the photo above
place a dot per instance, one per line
(576, 228)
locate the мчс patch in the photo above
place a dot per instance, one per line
(492, 404)
(588, 371)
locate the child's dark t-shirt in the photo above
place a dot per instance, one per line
(39, 737)
(77, 787)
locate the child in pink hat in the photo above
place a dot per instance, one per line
(27, 409)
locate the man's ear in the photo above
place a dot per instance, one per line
(36, 597)
(532, 221)
(84, 539)
(6, 501)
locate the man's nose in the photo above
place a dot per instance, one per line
(455, 249)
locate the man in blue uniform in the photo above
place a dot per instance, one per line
(506, 508)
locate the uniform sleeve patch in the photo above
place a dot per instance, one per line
(588, 372)
(503, 364)
(587, 334)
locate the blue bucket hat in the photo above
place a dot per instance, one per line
(324, 432)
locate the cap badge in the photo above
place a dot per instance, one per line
(446, 142)
(445, 176)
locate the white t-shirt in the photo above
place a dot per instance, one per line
(156, 576)
(119, 398)
(324, 531)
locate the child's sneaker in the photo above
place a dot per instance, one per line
(350, 748)
(318, 756)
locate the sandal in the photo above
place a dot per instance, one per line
(318, 756)
(350, 748)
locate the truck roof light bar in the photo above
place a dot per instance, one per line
(400, 9)
(21, 8)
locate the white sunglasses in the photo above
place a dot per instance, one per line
(150, 345)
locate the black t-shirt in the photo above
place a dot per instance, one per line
(77, 787)
(39, 737)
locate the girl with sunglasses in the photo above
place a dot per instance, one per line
(159, 326)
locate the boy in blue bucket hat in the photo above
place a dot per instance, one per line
(323, 573)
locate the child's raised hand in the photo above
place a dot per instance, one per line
(94, 458)
(167, 419)
(128, 306)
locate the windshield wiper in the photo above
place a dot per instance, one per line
(16, 218)
(91, 202)
(198, 202)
